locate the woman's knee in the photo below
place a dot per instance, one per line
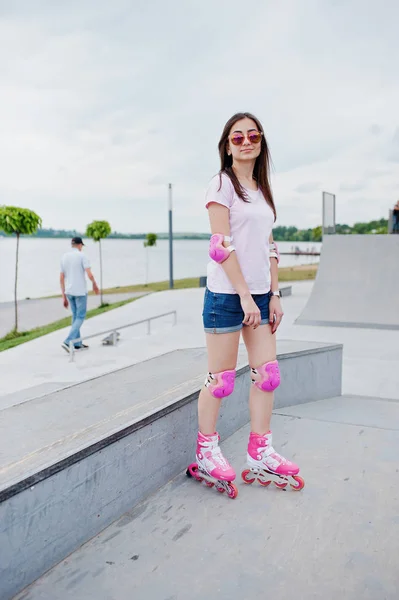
(222, 361)
(266, 377)
(221, 384)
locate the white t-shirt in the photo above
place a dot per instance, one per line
(73, 265)
(251, 224)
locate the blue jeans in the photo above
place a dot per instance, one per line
(222, 313)
(78, 306)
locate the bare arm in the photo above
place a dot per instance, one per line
(62, 284)
(220, 223)
(219, 220)
(91, 277)
(275, 310)
(273, 270)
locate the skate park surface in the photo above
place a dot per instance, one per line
(336, 538)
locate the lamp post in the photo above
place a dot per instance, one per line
(170, 239)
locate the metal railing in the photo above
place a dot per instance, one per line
(114, 331)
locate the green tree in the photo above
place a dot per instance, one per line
(307, 235)
(291, 231)
(342, 229)
(360, 228)
(97, 231)
(278, 233)
(151, 240)
(18, 221)
(317, 234)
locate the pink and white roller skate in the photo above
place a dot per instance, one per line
(211, 466)
(266, 465)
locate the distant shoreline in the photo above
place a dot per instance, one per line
(140, 236)
(128, 236)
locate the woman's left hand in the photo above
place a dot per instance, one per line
(275, 313)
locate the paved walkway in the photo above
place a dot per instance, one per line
(42, 311)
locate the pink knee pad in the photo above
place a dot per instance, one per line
(267, 376)
(221, 384)
(217, 251)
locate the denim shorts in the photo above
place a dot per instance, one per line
(222, 313)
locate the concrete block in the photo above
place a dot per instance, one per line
(48, 515)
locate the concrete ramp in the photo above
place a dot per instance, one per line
(357, 283)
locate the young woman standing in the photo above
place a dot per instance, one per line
(241, 297)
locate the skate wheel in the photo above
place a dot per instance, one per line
(219, 489)
(300, 483)
(192, 471)
(209, 484)
(233, 491)
(281, 486)
(247, 476)
(264, 483)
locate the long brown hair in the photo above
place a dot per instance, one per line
(261, 172)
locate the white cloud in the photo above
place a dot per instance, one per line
(102, 104)
(364, 183)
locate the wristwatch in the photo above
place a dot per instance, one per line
(277, 293)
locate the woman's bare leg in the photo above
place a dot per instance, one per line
(261, 348)
(222, 356)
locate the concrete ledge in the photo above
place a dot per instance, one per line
(286, 290)
(49, 513)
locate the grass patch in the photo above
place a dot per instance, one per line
(299, 273)
(13, 338)
(158, 286)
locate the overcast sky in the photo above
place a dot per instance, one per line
(102, 103)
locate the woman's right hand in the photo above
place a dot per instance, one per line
(251, 311)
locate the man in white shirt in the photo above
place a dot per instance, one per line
(74, 266)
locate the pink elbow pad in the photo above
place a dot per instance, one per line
(217, 251)
(273, 251)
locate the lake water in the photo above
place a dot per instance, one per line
(124, 262)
